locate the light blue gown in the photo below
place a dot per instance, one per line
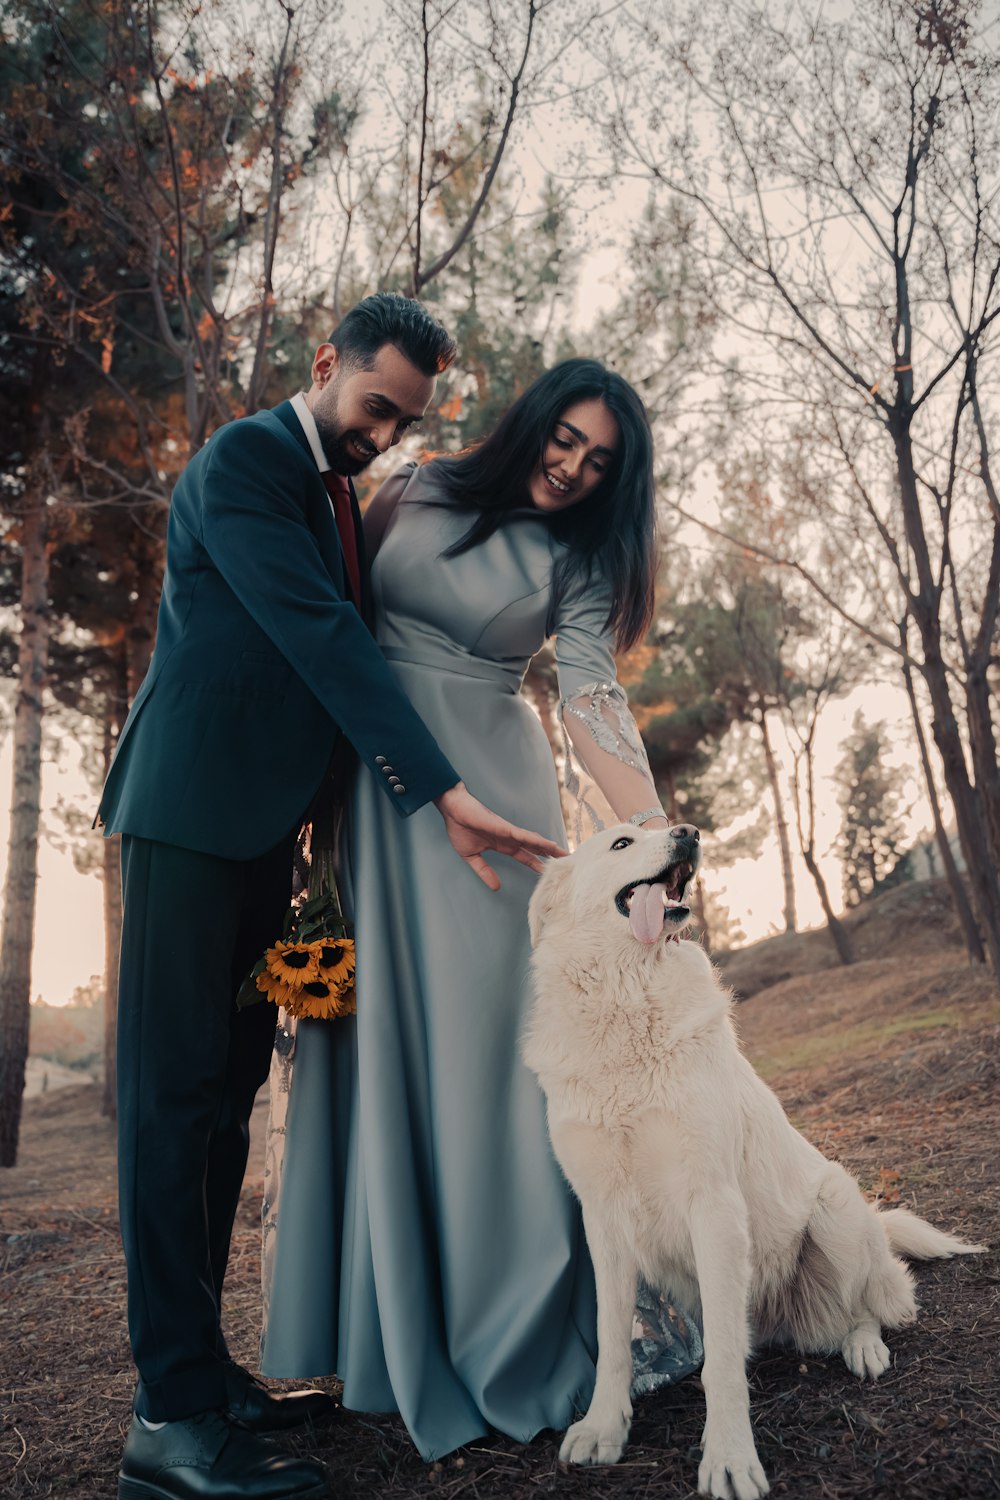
(422, 1243)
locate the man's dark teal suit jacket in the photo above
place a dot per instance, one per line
(260, 658)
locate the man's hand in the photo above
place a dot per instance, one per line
(472, 829)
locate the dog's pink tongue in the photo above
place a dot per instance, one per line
(645, 915)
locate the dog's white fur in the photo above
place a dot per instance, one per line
(687, 1169)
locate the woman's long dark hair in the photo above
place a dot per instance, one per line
(613, 531)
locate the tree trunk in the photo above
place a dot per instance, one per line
(22, 869)
(781, 823)
(956, 885)
(983, 752)
(112, 883)
(982, 734)
(539, 680)
(838, 931)
(983, 885)
(127, 675)
(981, 860)
(112, 956)
(807, 845)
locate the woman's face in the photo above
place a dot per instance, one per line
(576, 457)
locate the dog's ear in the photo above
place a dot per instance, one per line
(550, 893)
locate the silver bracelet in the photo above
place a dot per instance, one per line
(643, 817)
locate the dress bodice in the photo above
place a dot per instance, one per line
(492, 605)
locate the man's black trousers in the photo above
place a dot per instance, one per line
(189, 1066)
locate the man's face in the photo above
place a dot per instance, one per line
(361, 413)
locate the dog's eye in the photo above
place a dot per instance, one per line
(622, 843)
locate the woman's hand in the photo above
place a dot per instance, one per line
(473, 829)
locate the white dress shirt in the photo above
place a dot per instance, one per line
(300, 407)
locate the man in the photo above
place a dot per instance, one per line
(262, 659)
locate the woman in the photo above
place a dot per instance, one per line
(428, 1251)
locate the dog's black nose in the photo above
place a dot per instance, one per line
(686, 831)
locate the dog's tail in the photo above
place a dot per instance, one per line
(918, 1240)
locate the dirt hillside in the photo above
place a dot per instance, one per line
(916, 917)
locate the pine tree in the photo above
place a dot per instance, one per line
(871, 842)
(128, 184)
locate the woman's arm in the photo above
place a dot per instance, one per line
(606, 739)
(594, 710)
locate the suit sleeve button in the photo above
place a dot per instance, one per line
(394, 781)
(380, 760)
(399, 788)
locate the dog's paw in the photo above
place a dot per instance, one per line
(595, 1442)
(732, 1475)
(865, 1354)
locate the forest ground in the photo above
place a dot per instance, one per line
(891, 1066)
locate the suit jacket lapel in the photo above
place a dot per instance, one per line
(285, 414)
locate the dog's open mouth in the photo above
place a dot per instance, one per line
(649, 904)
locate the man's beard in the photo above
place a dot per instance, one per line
(341, 458)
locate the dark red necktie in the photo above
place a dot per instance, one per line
(340, 493)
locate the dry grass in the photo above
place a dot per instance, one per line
(890, 1066)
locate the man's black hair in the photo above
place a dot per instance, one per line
(389, 318)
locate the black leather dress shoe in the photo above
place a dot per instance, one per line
(210, 1458)
(252, 1405)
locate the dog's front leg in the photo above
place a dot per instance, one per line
(602, 1434)
(721, 1244)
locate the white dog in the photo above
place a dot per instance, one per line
(688, 1171)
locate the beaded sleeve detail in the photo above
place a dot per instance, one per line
(602, 708)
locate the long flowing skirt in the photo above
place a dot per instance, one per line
(427, 1248)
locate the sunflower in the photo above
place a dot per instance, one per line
(336, 960)
(321, 1000)
(293, 963)
(276, 990)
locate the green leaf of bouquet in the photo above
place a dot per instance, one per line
(248, 994)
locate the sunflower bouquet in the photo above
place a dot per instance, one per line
(310, 969)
